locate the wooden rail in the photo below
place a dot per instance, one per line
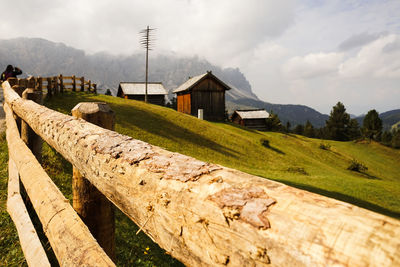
(202, 214)
(60, 83)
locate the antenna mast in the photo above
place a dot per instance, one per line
(147, 42)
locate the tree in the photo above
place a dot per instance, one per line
(396, 139)
(387, 138)
(309, 130)
(108, 92)
(299, 129)
(338, 123)
(273, 122)
(354, 129)
(288, 127)
(372, 125)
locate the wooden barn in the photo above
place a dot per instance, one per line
(252, 118)
(205, 92)
(136, 90)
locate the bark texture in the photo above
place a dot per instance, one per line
(70, 239)
(96, 211)
(208, 215)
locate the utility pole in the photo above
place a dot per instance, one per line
(147, 42)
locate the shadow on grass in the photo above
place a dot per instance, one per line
(339, 196)
(128, 116)
(368, 176)
(158, 125)
(276, 150)
(244, 128)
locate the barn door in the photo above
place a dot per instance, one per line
(186, 104)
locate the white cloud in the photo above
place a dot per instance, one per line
(379, 59)
(277, 44)
(312, 65)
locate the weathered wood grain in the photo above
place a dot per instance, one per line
(92, 206)
(208, 215)
(70, 239)
(30, 243)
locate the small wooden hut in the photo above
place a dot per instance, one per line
(252, 118)
(205, 92)
(136, 90)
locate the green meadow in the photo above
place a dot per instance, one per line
(314, 165)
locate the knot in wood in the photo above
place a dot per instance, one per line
(245, 204)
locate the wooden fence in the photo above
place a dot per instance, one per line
(55, 84)
(202, 214)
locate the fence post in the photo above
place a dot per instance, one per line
(95, 88)
(31, 139)
(73, 83)
(40, 84)
(55, 82)
(61, 84)
(49, 88)
(90, 85)
(82, 84)
(93, 207)
(31, 82)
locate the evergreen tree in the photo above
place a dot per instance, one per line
(299, 129)
(338, 123)
(396, 139)
(387, 138)
(309, 130)
(108, 92)
(354, 129)
(372, 125)
(288, 126)
(273, 122)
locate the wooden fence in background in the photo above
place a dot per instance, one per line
(55, 84)
(202, 214)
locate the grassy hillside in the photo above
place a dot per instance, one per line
(291, 159)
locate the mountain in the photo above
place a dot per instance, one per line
(389, 118)
(40, 57)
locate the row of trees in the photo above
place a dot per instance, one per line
(341, 127)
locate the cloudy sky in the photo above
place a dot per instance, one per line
(310, 52)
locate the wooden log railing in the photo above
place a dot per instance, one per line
(202, 214)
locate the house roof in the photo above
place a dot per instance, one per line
(253, 114)
(138, 88)
(195, 80)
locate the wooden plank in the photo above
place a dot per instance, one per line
(67, 77)
(208, 215)
(70, 239)
(67, 84)
(30, 243)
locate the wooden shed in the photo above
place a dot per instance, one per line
(136, 90)
(205, 92)
(252, 118)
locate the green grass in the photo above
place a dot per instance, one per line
(291, 159)
(321, 171)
